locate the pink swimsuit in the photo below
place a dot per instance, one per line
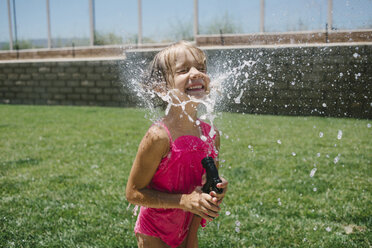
(180, 172)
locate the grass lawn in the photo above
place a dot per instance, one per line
(293, 181)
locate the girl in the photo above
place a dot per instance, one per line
(166, 176)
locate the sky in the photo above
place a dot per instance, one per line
(163, 19)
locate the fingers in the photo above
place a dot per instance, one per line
(223, 185)
(204, 178)
(209, 211)
(208, 207)
(202, 204)
(218, 197)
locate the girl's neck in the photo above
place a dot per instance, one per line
(182, 119)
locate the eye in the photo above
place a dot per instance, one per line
(182, 70)
(202, 69)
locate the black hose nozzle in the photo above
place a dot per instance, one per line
(212, 176)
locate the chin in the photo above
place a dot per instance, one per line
(198, 94)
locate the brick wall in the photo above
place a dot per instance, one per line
(304, 37)
(311, 80)
(63, 83)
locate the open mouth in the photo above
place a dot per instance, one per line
(195, 87)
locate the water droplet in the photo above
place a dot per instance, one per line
(339, 134)
(94, 166)
(279, 142)
(324, 105)
(203, 138)
(321, 135)
(237, 99)
(237, 223)
(237, 229)
(312, 172)
(293, 154)
(135, 210)
(328, 229)
(341, 74)
(369, 125)
(227, 213)
(356, 55)
(318, 154)
(315, 189)
(336, 159)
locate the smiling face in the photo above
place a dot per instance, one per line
(181, 70)
(189, 76)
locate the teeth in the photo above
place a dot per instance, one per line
(195, 87)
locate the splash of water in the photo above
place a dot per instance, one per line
(226, 87)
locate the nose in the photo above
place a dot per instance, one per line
(195, 73)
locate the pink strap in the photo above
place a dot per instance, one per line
(205, 127)
(167, 130)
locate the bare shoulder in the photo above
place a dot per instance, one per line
(157, 137)
(158, 133)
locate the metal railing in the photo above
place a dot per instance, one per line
(92, 34)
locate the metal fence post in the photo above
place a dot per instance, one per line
(48, 20)
(139, 3)
(262, 16)
(196, 19)
(10, 27)
(330, 12)
(92, 26)
(15, 27)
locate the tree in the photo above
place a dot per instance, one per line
(181, 30)
(223, 23)
(107, 39)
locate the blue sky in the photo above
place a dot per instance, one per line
(161, 18)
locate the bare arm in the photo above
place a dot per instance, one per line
(192, 237)
(224, 183)
(153, 147)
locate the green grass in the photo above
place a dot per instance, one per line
(63, 172)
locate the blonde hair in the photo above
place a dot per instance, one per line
(162, 68)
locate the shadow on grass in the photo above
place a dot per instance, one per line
(20, 163)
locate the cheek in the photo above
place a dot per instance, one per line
(180, 81)
(208, 83)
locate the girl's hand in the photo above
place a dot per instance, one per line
(200, 204)
(217, 198)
